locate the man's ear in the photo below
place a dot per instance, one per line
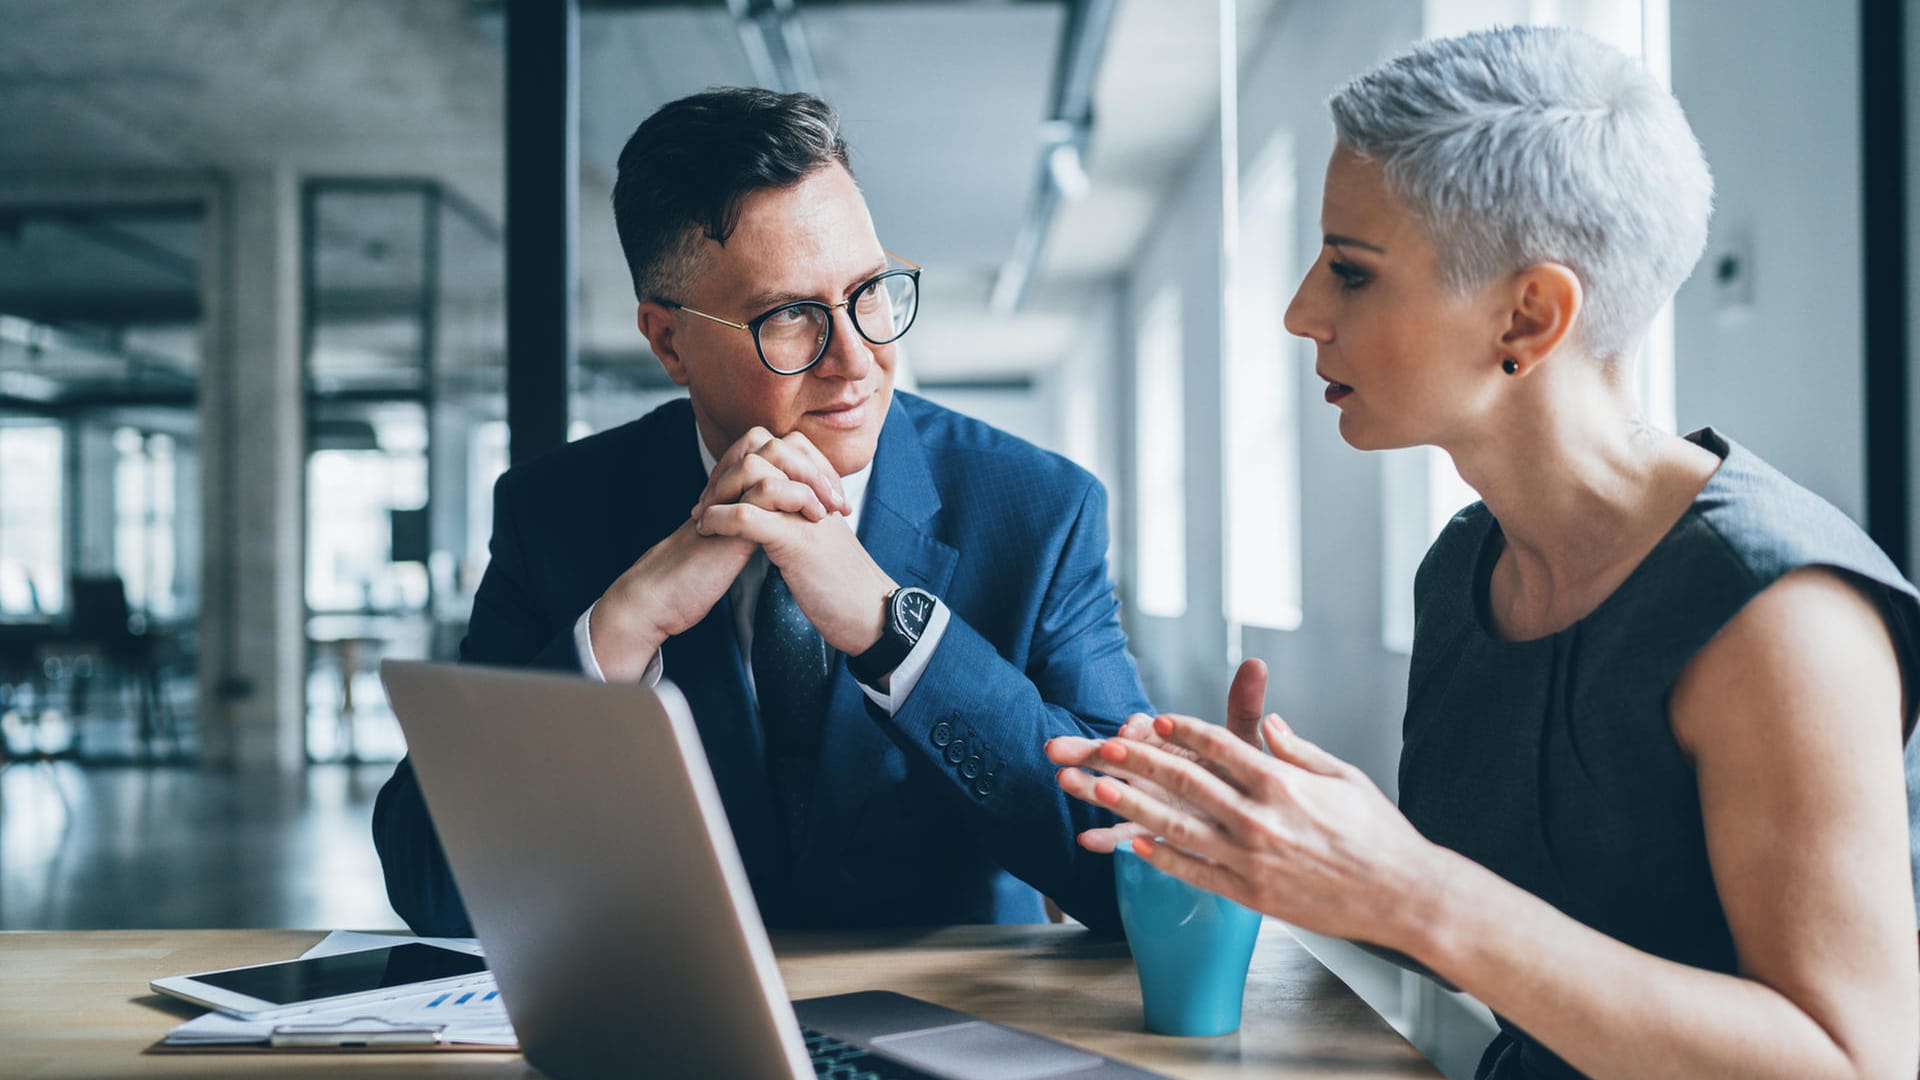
(1545, 300)
(660, 326)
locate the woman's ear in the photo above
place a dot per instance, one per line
(1545, 301)
(660, 327)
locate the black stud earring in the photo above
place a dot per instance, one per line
(1510, 366)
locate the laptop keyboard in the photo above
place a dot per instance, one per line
(836, 1060)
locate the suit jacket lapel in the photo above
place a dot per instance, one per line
(902, 501)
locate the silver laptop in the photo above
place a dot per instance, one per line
(588, 838)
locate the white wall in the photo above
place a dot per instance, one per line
(1086, 395)
(1771, 88)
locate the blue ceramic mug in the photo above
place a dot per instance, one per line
(1191, 947)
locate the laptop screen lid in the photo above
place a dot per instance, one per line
(592, 850)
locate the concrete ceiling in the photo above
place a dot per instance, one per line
(325, 87)
(943, 102)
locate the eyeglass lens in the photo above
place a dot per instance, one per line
(793, 337)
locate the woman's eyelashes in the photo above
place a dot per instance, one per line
(1351, 277)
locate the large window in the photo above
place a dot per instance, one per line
(360, 505)
(1160, 459)
(1261, 404)
(32, 505)
(486, 459)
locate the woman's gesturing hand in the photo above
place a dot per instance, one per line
(1300, 835)
(1244, 701)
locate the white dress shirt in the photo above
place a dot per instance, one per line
(745, 594)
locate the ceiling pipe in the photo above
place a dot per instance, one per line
(1063, 145)
(776, 48)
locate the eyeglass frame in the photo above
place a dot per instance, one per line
(752, 326)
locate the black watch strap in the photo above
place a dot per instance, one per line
(908, 610)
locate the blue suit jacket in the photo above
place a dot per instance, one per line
(917, 818)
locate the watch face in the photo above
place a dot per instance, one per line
(912, 610)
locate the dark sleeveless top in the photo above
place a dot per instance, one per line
(1553, 763)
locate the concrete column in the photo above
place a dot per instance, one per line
(94, 492)
(449, 465)
(253, 440)
(188, 524)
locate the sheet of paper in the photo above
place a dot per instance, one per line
(472, 1015)
(341, 941)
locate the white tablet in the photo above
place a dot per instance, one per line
(288, 988)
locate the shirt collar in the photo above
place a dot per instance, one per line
(854, 484)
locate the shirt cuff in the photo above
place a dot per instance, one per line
(583, 644)
(904, 677)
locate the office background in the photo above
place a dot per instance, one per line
(256, 377)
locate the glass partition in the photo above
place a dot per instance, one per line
(404, 344)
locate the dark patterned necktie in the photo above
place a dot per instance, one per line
(791, 668)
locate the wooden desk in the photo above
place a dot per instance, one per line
(77, 1005)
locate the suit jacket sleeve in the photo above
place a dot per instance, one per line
(508, 629)
(981, 723)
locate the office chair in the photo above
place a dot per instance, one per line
(100, 622)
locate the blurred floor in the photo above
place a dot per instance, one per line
(98, 847)
(105, 726)
(366, 732)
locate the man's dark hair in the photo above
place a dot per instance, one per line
(686, 168)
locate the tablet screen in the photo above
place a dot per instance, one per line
(346, 973)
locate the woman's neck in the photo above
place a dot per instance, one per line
(1583, 489)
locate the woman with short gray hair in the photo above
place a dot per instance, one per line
(1652, 806)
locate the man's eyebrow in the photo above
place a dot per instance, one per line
(1337, 240)
(767, 301)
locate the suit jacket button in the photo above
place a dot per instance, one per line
(942, 734)
(956, 751)
(972, 767)
(983, 787)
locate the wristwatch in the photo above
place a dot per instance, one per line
(908, 609)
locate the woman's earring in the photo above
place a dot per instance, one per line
(1510, 366)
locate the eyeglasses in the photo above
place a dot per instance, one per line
(793, 337)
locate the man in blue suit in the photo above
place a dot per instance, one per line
(879, 610)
